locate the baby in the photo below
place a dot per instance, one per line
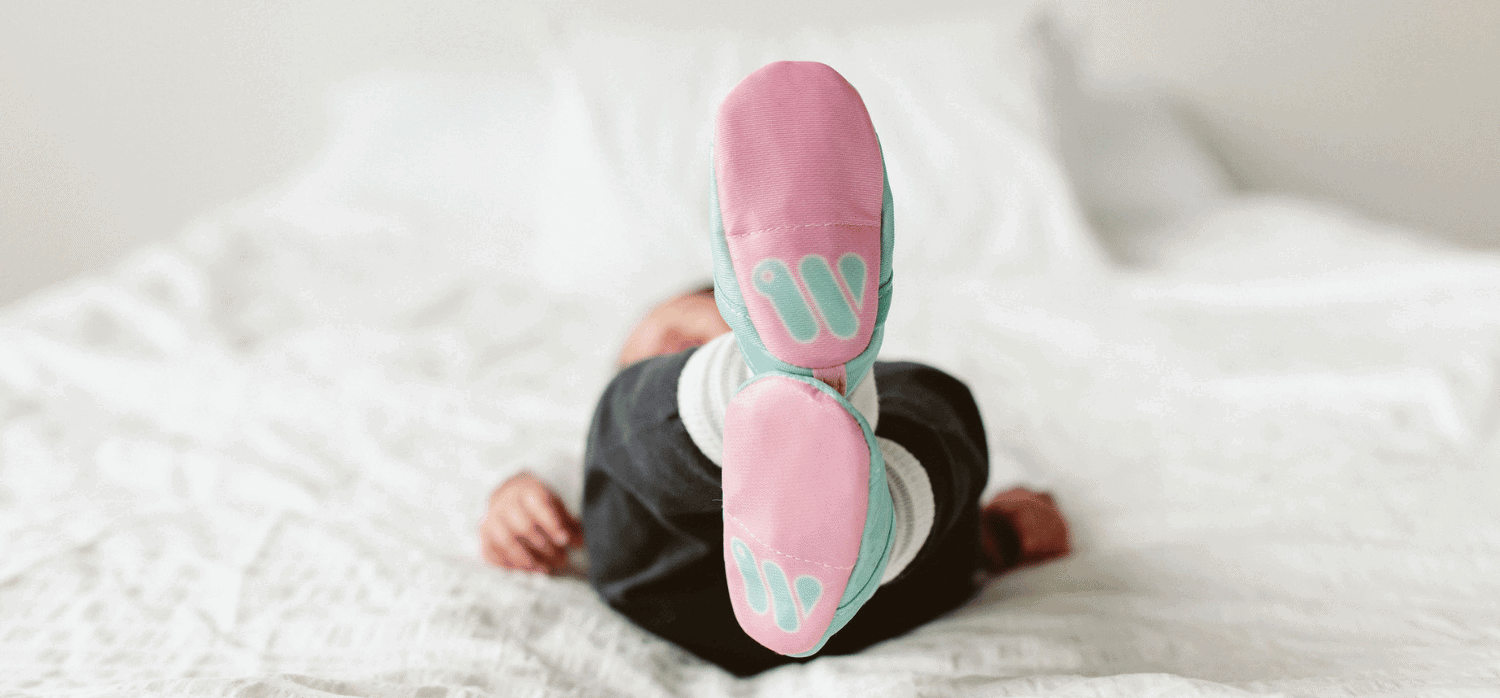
(758, 488)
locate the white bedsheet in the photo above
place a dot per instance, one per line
(251, 462)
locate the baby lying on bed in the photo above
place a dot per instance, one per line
(758, 488)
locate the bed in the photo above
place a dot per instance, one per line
(251, 461)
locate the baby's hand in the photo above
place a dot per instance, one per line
(527, 527)
(1041, 532)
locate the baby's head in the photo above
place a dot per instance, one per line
(679, 323)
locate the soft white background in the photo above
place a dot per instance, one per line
(119, 122)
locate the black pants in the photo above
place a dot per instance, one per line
(653, 517)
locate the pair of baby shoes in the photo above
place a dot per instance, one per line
(802, 273)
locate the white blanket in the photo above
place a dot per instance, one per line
(252, 462)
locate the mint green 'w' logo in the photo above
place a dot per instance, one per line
(774, 281)
(771, 592)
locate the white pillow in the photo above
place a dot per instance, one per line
(590, 174)
(624, 196)
(448, 154)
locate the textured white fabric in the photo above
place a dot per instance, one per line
(254, 461)
(715, 372)
(911, 498)
(709, 378)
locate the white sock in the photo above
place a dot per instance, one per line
(911, 497)
(715, 371)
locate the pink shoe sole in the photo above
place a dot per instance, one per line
(798, 467)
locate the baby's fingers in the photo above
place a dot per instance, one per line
(494, 553)
(491, 553)
(503, 544)
(525, 528)
(553, 518)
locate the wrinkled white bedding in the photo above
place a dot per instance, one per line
(252, 461)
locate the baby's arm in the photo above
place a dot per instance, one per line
(527, 527)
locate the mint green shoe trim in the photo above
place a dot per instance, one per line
(828, 296)
(761, 361)
(880, 516)
(887, 227)
(755, 593)
(726, 287)
(781, 595)
(856, 368)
